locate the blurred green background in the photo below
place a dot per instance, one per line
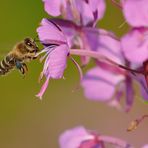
(25, 121)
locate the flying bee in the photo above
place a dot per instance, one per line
(22, 52)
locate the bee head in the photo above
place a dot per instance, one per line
(31, 45)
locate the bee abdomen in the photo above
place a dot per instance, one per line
(6, 65)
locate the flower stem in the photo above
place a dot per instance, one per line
(93, 54)
(96, 55)
(114, 141)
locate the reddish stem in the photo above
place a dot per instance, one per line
(142, 118)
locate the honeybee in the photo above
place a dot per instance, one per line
(22, 52)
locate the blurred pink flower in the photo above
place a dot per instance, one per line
(56, 49)
(100, 84)
(78, 137)
(80, 11)
(135, 45)
(136, 12)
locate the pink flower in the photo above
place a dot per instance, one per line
(81, 11)
(135, 45)
(100, 84)
(136, 12)
(78, 137)
(56, 52)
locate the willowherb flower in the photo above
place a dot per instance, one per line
(56, 51)
(81, 12)
(77, 36)
(79, 137)
(136, 12)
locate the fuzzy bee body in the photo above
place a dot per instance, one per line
(23, 52)
(6, 65)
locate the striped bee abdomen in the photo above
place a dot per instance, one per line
(7, 64)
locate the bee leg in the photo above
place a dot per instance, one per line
(22, 67)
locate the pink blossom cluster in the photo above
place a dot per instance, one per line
(118, 61)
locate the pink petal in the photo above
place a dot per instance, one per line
(56, 62)
(52, 7)
(135, 46)
(68, 28)
(99, 6)
(43, 89)
(104, 42)
(136, 12)
(85, 11)
(99, 84)
(48, 32)
(74, 137)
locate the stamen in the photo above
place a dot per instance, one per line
(80, 72)
(47, 50)
(78, 67)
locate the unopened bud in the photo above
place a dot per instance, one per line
(133, 125)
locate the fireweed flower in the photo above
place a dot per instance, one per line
(104, 76)
(81, 12)
(76, 137)
(135, 42)
(94, 42)
(56, 49)
(79, 137)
